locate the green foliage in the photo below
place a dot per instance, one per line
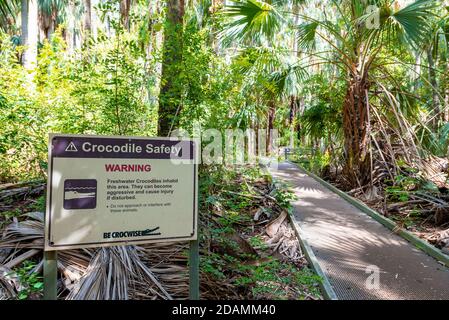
(396, 193)
(197, 71)
(401, 187)
(112, 87)
(213, 264)
(320, 119)
(105, 91)
(319, 161)
(271, 277)
(31, 281)
(39, 204)
(284, 196)
(7, 215)
(258, 243)
(20, 141)
(437, 142)
(261, 276)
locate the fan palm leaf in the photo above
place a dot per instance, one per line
(251, 20)
(410, 24)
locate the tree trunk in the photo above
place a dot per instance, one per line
(356, 135)
(29, 33)
(293, 122)
(299, 130)
(69, 36)
(88, 16)
(271, 115)
(94, 18)
(446, 95)
(125, 6)
(417, 71)
(170, 97)
(256, 130)
(446, 82)
(435, 96)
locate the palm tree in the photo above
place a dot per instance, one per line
(270, 78)
(276, 73)
(285, 85)
(354, 41)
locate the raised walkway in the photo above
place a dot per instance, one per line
(348, 245)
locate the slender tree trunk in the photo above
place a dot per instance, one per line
(94, 18)
(88, 16)
(446, 80)
(69, 30)
(299, 130)
(170, 97)
(356, 135)
(50, 31)
(293, 121)
(256, 130)
(446, 94)
(271, 115)
(435, 96)
(330, 143)
(29, 33)
(125, 6)
(417, 71)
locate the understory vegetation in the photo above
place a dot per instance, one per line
(248, 249)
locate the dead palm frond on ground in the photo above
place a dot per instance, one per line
(157, 271)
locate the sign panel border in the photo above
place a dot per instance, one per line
(48, 246)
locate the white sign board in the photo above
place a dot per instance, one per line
(106, 191)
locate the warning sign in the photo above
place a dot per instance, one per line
(71, 147)
(120, 190)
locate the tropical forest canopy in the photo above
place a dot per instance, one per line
(362, 84)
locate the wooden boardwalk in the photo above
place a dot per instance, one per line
(349, 246)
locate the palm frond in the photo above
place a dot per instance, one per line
(154, 271)
(306, 35)
(411, 24)
(251, 20)
(8, 13)
(25, 234)
(287, 80)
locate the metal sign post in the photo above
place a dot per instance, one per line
(194, 263)
(194, 271)
(50, 275)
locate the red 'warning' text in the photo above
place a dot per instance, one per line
(128, 167)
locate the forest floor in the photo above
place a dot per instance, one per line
(414, 214)
(248, 248)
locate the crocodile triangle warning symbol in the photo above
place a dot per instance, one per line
(71, 147)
